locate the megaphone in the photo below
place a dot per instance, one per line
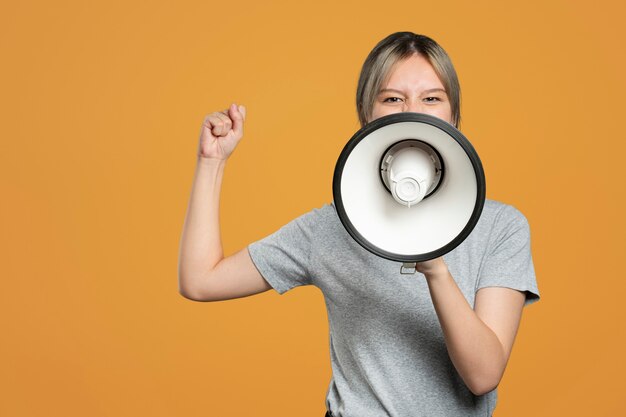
(409, 187)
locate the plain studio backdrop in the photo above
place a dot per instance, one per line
(101, 109)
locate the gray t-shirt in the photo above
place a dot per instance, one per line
(388, 354)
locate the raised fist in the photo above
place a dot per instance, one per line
(221, 132)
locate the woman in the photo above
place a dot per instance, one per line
(433, 345)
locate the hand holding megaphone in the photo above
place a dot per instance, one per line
(432, 268)
(221, 132)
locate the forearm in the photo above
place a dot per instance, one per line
(475, 350)
(201, 245)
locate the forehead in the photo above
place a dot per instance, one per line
(414, 72)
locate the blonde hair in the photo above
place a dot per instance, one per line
(394, 48)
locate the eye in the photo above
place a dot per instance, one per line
(432, 99)
(392, 100)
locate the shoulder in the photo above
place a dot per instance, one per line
(498, 221)
(499, 214)
(507, 256)
(308, 225)
(318, 216)
(500, 208)
(325, 214)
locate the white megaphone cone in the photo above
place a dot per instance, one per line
(409, 187)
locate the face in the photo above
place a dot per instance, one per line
(413, 86)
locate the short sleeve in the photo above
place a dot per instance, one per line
(508, 259)
(282, 258)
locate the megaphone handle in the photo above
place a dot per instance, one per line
(408, 268)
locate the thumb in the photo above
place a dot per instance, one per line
(237, 116)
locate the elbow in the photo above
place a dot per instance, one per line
(483, 384)
(479, 389)
(194, 295)
(190, 295)
(189, 291)
(485, 378)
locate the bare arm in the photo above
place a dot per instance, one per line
(203, 272)
(479, 341)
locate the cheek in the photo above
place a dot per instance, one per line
(448, 113)
(375, 112)
(380, 111)
(442, 112)
(445, 115)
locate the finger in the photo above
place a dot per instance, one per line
(212, 123)
(237, 118)
(228, 123)
(221, 124)
(242, 110)
(212, 120)
(209, 123)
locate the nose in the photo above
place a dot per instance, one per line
(412, 106)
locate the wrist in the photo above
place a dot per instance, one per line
(211, 162)
(435, 269)
(437, 275)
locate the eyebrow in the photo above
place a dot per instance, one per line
(393, 90)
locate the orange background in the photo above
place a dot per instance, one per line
(101, 110)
